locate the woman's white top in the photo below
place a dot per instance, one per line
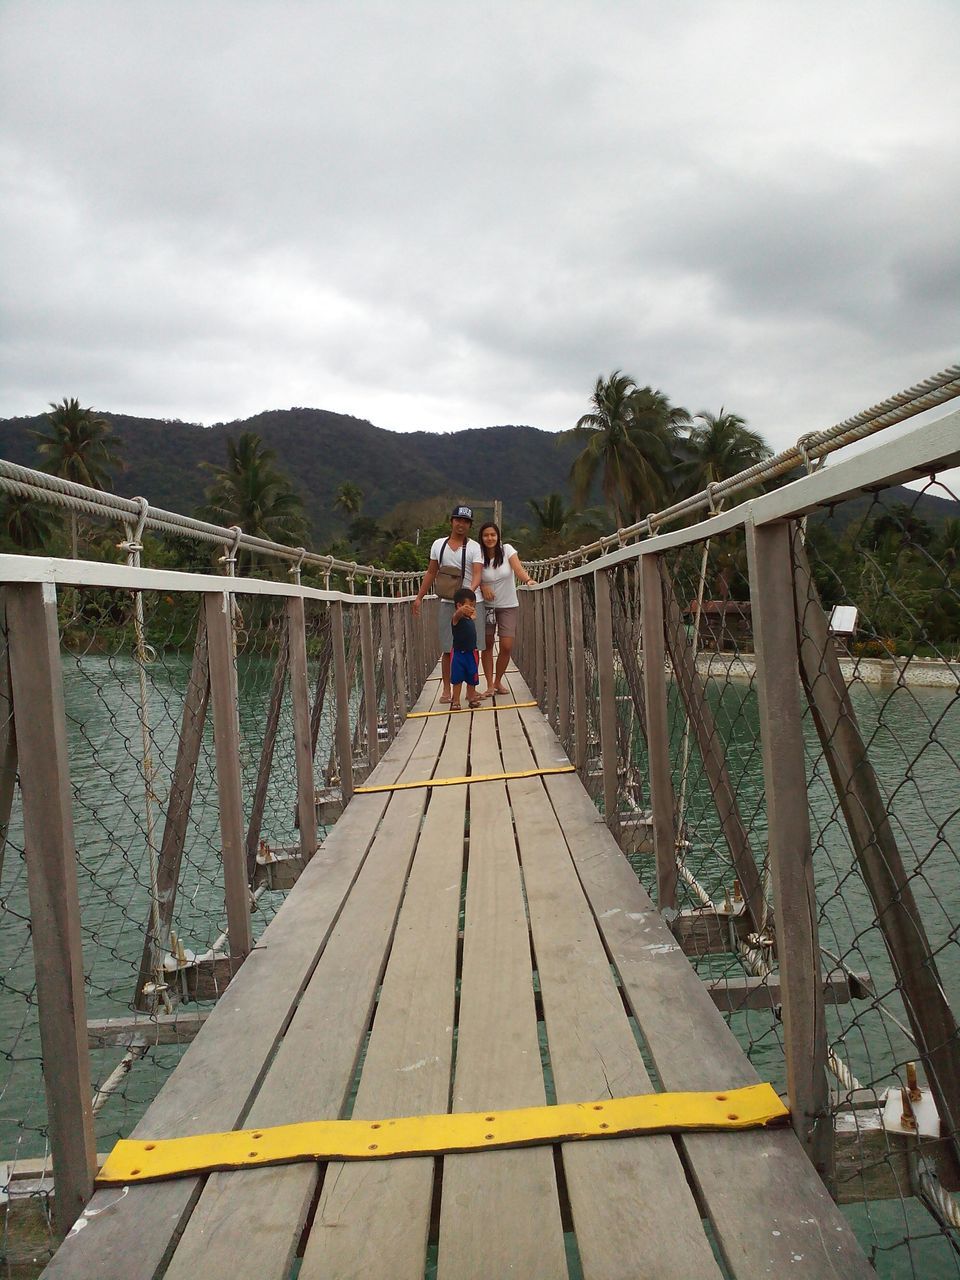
(502, 580)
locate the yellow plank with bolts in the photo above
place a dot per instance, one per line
(493, 706)
(143, 1160)
(473, 777)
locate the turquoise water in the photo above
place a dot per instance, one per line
(914, 739)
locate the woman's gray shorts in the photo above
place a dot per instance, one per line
(504, 621)
(444, 626)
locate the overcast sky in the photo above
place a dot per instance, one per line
(439, 215)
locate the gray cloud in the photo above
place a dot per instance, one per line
(435, 217)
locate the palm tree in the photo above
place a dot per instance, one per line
(25, 522)
(720, 446)
(349, 498)
(251, 491)
(660, 432)
(610, 448)
(552, 515)
(76, 446)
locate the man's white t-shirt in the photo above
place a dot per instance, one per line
(502, 580)
(454, 558)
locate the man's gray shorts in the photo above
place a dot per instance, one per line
(444, 626)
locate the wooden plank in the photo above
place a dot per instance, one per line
(369, 698)
(342, 732)
(180, 797)
(409, 674)
(561, 613)
(159, 1028)
(731, 995)
(607, 694)
(878, 856)
(373, 1218)
(712, 752)
(219, 1075)
(322, 637)
(499, 1212)
(300, 695)
(789, 845)
(277, 687)
(50, 855)
(593, 1055)
(538, 649)
(579, 676)
(312, 1070)
(226, 737)
(662, 799)
(769, 1211)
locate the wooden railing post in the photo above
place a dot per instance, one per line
(608, 699)
(342, 729)
(399, 633)
(657, 727)
(303, 747)
(50, 854)
(411, 667)
(369, 683)
(551, 656)
(538, 654)
(561, 613)
(387, 656)
(261, 786)
(226, 737)
(773, 611)
(579, 676)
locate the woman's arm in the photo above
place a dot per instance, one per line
(519, 570)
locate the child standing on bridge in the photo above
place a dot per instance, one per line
(463, 655)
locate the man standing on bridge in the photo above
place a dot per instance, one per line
(455, 562)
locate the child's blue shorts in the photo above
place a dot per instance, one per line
(463, 666)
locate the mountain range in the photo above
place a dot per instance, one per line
(319, 451)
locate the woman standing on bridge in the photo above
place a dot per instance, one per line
(501, 568)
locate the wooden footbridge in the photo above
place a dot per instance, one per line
(474, 946)
(523, 1072)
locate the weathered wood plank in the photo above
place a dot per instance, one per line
(226, 736)
(51, 859)
(369, 699)
(769, 1210)
(550, 654)
(657, 731)
(342, 733)
(594, 1055)
(499, 1211)
(373, 1219)
(159, 1028)
(390, 652)
(579, 673)
(277, 687)
(312, 1071)
(221, 1071)
(789, 845)
(609, 744)
(561, 613)
(300, 696)
(180, 797)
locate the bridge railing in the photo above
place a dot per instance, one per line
(766, 709)
(172, 746)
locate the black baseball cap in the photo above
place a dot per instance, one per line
(462, 513)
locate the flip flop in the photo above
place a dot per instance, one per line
(455, 706)
(487, 694)
(444, 697)
(500, 689)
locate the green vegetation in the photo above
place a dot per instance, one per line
(75, 445)
(252, 492)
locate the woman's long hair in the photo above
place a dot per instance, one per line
(497, 552)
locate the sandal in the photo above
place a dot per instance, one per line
(454, 706)
(474, 702)
(498, 688)
(444, 697)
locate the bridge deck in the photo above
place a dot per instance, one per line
(445, 947)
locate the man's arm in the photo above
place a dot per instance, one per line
(425, 586)
(477, 569)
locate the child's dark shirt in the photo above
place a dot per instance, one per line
(465, 635)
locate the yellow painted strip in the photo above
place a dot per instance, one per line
(493, 706)
(474, 777)
(143, 1160)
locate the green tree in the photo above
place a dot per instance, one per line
(349, 499)
(252, 492)
(76, 446)
(25, 522)
(627, 437)
(721, 445)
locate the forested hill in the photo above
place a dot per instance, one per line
(320, 450)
